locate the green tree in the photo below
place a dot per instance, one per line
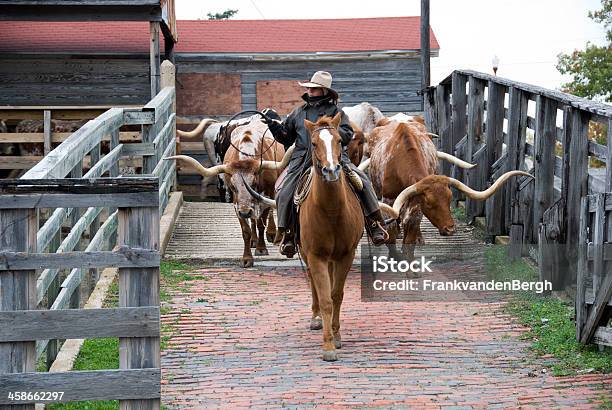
(591, 68)
(225, 15)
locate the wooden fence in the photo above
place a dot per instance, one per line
(120, 216)
(503, 125)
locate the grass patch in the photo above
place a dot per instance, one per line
(95, 354)
(171, 277)
(551, 321)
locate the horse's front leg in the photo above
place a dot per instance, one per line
(320, 279)
(340, 271)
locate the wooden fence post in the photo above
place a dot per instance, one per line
(577, 177)
(18, 288)
(545, 140)
(445, 142)
(474, 141)
(494, 140)
(458, 123)
(139, 228)
(517, 128)
(46, 131)
(583, 266)
(168, 79)
(154, 59)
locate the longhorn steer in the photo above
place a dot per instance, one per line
(403, 165)
(243, 166)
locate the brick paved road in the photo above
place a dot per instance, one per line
(241, 339)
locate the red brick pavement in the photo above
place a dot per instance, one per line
(241, 339)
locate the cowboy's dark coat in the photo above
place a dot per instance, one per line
(291, 131)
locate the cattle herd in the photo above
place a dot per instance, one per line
(403, 165)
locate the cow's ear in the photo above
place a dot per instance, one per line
(309, 125)
(336, 120)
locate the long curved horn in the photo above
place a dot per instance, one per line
(431, 134)
(279, 165)
(206, 172)
(454, 160)
(197, 130)
(404, 196)
(355, 180)
(266, 201)
(364, 165)
(481, 195)
(389, 210)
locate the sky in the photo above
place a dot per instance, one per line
(526, 35)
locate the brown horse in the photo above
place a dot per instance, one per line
(331, 225)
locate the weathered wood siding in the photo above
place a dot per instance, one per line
(70, 80)
(390, 84)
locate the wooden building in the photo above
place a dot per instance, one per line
(81, 52)
(222, 66)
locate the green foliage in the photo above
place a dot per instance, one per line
(591, 68)
(552, 328)
(224, 15)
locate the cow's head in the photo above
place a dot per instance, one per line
(433, 194)
(356, 145)
(326, 146)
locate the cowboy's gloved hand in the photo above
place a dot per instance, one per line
(275, 126)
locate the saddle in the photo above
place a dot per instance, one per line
(304, 185)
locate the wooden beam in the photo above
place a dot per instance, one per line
(84, 385)
(17, 292)
(425, 48)
(25, 325)
(123, 258)
(47, 131)
(58, 137)
(83, 11)
(139, 287)
(80, 193)
(154, 57)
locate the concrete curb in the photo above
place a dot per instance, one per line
(168, 219)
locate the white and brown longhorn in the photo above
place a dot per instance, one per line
(241, 166)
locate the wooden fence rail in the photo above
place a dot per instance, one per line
(503, 125)
(96, 219)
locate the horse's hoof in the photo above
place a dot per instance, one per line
(316, 323)
(330, 355)
(261, 252)
(270, 236)
(253, 244)
(247, 262)
(338, 342)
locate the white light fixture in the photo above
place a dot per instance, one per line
(495, 64)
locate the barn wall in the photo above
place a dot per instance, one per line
(390, 84)
(57, 80)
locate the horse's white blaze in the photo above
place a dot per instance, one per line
(327, 138)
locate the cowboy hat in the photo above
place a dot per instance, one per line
(320, 79)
